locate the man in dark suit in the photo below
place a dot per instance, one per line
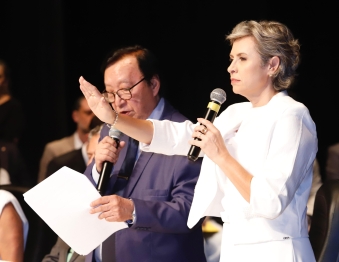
(156, 198)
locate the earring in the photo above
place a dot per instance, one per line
(270, 75)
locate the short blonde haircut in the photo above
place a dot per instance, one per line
(273, 39)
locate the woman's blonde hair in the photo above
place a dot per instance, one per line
(273, 39)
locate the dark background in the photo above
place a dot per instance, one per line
(50, 44)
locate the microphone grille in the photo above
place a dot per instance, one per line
(115, 133)
(218, 95)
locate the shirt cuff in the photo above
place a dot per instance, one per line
(134, 217)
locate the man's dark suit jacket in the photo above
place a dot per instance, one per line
(161, 188)
(73, 160)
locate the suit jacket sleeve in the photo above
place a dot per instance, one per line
(166, 211)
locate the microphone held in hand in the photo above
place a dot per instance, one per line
(108, 166)
(218, 96)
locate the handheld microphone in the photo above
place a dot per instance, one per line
(108, 166)
(218, 96)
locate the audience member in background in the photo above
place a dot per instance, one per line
(82, 116)
(11, 113)
(93, 140)
(13, 228)
(316, 184)
(332, 162)
(61, 251)
(13, 169)
(76, 159)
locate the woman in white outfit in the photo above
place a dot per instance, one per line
(258, 155)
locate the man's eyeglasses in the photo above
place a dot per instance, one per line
(123, 93)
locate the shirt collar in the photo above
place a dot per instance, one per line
(77, 141)
(84, 152)
(157, 111)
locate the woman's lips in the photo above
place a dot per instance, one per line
(234, 81)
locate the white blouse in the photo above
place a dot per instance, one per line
(277, 144)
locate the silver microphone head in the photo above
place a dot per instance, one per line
(114, 133)
(218, 95)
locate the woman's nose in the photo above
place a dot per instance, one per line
(231, 68)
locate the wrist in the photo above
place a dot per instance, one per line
(116, 118)
(222, 158)
(133, 216)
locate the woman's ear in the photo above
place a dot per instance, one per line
(273, 65)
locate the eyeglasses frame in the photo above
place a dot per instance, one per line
(125, 89)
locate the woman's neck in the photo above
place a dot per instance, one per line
(263, 98)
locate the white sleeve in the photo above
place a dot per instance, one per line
(292, 150)
(170, 138)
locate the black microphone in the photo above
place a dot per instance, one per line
(218, 96)
(108, 166)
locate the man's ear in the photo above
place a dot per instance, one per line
(155, 85)
(75, 116)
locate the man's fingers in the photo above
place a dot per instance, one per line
(100, 201)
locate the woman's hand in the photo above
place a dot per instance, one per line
(212, 143)
(97, 102)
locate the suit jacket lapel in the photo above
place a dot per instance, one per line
(144, 156)
(63, 250)
(118, 164)
(74, 257)
(137, 171)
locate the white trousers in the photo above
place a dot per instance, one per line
(289, 250)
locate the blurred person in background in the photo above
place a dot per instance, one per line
(61, 251)
(11, 113)
(82, 116)
(13, 169)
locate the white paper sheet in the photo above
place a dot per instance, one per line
(63, 201)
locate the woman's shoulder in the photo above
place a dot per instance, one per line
(5, 197)
(237, 108)
(288, 105)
